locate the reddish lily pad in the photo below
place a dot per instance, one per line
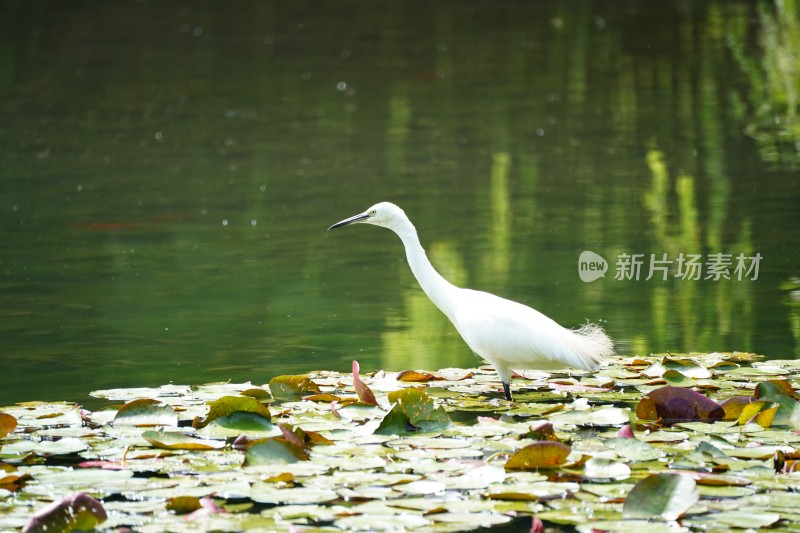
(677, 404)
(661, 496)
(78, 511)
(364, 392)
(543, 454)
(7, 424)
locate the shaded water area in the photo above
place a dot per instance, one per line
(167, 172)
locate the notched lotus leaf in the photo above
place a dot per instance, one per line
(228, 405)
(78, 511)
(364, 392)
(146, 412)
(173, 440)
(7, 424)
(544, 454)
(677, 404)
(274, 450)
(661, 496)
(292, 388)
(413, 409)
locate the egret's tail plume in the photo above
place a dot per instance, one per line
(595, 345)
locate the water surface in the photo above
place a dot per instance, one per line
(167, 173)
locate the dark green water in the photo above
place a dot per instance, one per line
(167, 172)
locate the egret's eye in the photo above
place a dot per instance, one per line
(373, 212)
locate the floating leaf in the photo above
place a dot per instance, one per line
(687, 367)
(146, 412)
(734, 405)
(541, 431)
(626, 432)
(183, 504)
(228, 405)
(7, 424)
(416, 376)
(545, 454)
(363, 391)
(633, 449)
(292, 388)
(661, 496)
(601, 468)
(78, 511)
(325, 398)
(673, 404)
(275, 450)
(14, 482)
(173, 440)
(772, 387)
(412, 410)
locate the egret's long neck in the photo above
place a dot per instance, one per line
(438, 289)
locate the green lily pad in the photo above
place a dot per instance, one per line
(227, 405)
(412, 410)
(291, 388)
(543, 454)
(172, 440)
(274, 450)
(661, 496)
(602, 468)
(146, 412)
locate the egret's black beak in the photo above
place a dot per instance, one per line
(345, 222)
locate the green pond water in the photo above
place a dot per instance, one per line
(168, 170)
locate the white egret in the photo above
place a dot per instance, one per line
(507, 334)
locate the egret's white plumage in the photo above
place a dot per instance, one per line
(507, 334)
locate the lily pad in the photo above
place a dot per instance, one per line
(172, 440)
(146, 412)
(274, 450)
(362, 390)
(7, 424)
(661, 496)
(227, 405)
(78, 511)
(674, 404)
(413, 410)
(543, 454)
(291, 388)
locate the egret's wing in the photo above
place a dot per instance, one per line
(518, 336)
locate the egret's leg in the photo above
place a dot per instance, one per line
(507, 390)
